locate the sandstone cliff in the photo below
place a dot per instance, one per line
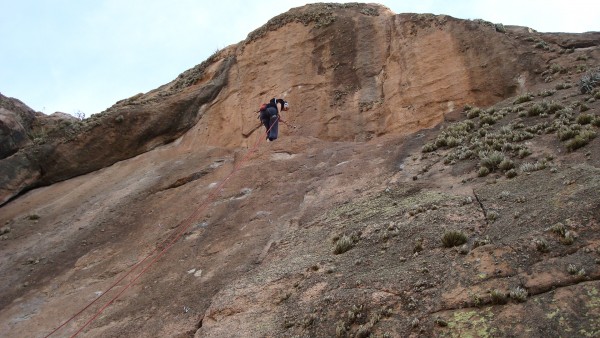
(349, 75)
(411, 129)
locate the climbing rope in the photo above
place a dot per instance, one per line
(166, 245)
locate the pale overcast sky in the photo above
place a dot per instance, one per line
(79, 55)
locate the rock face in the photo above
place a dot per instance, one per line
(442, 181)
(15, 123)
(349, 75)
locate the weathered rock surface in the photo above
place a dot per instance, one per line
(408, 126)
(15, 123)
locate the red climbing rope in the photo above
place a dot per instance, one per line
(185, 225)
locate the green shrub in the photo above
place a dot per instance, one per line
(363, 331)
(529, 167)
(556, 68)
(523, 98)
(589, 81)
(483, 171)
(524, 152)
(39, 136)
(491, 160)
(516, 136)
(585, 119)
(453, 238)
(537, 109)
(541, 45)
(547, 93)
(452, 141)
(473, 113)
(440, 142)
(506, 164)
(486, 119)
(563, 86)
(553, 107)
(428, 147)
(566, 133)
(584, 137)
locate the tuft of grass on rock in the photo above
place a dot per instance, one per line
(492, 216)
(511, 173)
(572, 269)
(440, 322)
(568, 238)
(483, 171)
(547, 93)
(343, 244)
(559, 229)
(498, 297)
(519, 294)
(453, 238)
(481, 241)
(541, 245)
(418, 247)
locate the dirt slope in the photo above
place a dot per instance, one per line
(409, 126)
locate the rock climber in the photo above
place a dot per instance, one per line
(270, 116)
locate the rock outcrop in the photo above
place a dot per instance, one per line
(15, 124)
